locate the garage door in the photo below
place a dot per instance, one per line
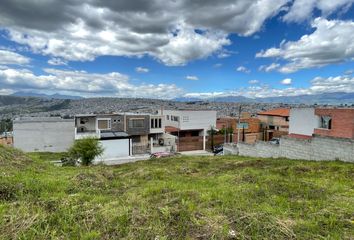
(115, 148)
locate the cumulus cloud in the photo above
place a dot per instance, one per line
(286, 81)
(331, 42)
(109, 84)
(269, 68)
(12, 58)
(57, 61)
(170, 32)
(318, 85)
(243, 69)
(302, 9)
(142, 70)
(193, 78)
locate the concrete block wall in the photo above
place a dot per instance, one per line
(317, 148)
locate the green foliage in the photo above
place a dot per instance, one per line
(211, 133)
(86, 149)
(5, 125)
(228, 130)
(226, 197)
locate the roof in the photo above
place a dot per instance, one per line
(42, 119)
(282, 112)
(171, 129)
(113, 134)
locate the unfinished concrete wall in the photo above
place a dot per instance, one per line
(43, 134)
(317, 148)
(303, 121)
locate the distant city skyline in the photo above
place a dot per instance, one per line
(173, 49)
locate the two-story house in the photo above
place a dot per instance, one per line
(190, 127)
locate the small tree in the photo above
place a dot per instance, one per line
(86, 149)
(211, 133)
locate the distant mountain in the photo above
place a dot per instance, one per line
(41, 95)
(323, 98)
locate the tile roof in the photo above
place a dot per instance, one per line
(282, 112)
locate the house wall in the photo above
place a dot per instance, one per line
(114, 148)
(7, 141)
(254, 124)
(43, 134)
(317, 148)
(274, 121)
(89, 124)
(189, 120)
(138, 131)
(342, 122)
(303, 121)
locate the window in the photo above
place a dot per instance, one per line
(156, 123)
(242, 125)
(174, 118)
(136, 123)
(326, 122)
(103, 124)
(185, 118)
(168, 117)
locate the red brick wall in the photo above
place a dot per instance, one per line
(254, 124)
(342, 122)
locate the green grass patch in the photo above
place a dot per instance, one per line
(226, 197)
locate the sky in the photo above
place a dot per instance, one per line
(170, 49)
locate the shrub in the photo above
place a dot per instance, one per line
(86, 149)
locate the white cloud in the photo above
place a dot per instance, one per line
(269, 68)
(217, 65)
(243, 69)
(84, 83)
(193, 78)
(253, 81)
(318, 85)
(286, 81)
(57, 61)
(9, 58)
(331, 42)
(302, 9)
(170, 32)
(142, 70)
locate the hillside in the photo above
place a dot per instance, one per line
(177, 198)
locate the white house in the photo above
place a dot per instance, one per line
(190, 126)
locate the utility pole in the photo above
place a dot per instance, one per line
(239, 123)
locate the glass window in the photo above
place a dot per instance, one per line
(103, 124)
(242, 125)
(136, 123)
(326, 122)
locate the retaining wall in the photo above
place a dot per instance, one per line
(317, 148)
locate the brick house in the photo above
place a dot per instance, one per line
(250, 128)
(335, 122)
(275, 122)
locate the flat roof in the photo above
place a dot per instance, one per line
(42, 119)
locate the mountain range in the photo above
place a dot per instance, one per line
(335, 98)
(48, 96)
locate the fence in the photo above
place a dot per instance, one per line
(317, 148)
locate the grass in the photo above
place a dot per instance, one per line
(225, 197)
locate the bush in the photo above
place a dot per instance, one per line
(86, 149)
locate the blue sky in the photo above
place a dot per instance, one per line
(170, 49)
